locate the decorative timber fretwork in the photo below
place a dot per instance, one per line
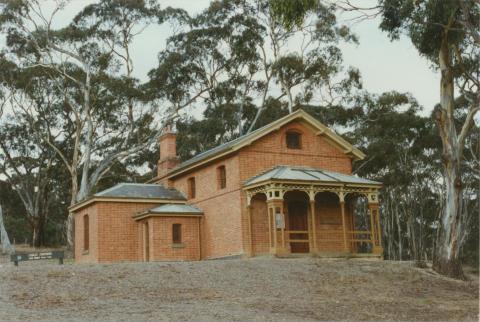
(275, 191)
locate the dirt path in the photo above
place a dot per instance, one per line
(303, 289)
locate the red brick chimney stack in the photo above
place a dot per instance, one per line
(168, 151)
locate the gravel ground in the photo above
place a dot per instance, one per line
(301, 289)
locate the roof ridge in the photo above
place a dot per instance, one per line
(323, 172)
(281, 169)
(308, 173)
(261, 173)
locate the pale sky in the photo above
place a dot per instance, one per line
(384, 65)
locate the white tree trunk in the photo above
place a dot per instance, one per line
(7, 248)
(451, 230)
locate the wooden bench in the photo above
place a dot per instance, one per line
(57, 254)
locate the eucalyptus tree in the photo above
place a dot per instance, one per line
(236, 61)
(402, 154)
(26, 161)
(212, 61)
(401, 151)
(27, 170)
(303, 57)
(106, 116)
(446, 33)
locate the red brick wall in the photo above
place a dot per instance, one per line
(118, 234)
(113, 232)
(221, 225)
(82, 256)
(260, 240)
(271, 151)
(161, 245)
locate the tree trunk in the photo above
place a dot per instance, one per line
(288, 91)
(69, 233)
(449, 239)
(399, 231)
(451, 226)
(69, 228)
(7, 248)
(37, 232)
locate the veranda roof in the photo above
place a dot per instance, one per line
(293, 173)
(167, 210)
(176, 208)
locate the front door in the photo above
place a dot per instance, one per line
(298, 221)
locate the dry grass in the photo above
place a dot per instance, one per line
(256, 289)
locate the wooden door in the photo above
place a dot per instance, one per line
(298, 220)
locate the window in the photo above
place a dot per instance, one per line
(177, 233)
(221, 177)
(294, 140)
(86, 233)
(191, 188)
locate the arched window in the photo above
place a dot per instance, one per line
(221, 177)
(86, 233)
(293, 140)
(191, 188)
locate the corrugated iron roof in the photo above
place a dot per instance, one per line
(141, 190)
(175, 208)
(293, 173)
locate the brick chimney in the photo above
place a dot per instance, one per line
(168, 151)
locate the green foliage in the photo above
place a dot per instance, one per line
(292, 13)
(424, 22)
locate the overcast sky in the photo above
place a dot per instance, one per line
(384, 65)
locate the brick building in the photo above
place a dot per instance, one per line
(285, 188)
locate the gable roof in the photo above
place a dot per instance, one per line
(141, 190)
(247, 139)
(294, 173)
